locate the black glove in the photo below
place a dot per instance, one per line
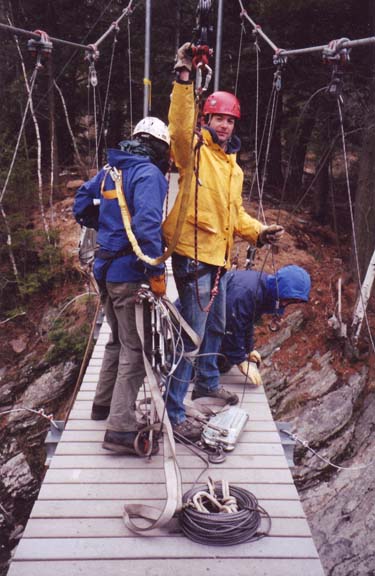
(270, 235)
(184, 57)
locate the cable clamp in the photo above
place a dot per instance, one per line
(40, 48)
(279, 59)
(92, 53)
(336, 52)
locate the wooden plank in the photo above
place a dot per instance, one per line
(114, 508)
(84, 422)
(201, 567)
(88, 387)
(185, 461)
(138, 476)
(111, 471)
(115, 527)
(82, 448)
(172, 547)
(96, 500)
(256, 412)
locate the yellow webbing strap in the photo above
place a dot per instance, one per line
(116, 176)
(109, 194)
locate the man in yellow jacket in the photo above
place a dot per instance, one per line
(214, 215)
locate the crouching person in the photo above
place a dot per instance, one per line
(249, 295)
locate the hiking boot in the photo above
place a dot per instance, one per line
(124, 443)
(219, 393)
(187, 429)
(99, 412)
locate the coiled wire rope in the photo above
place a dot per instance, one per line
(222, 516)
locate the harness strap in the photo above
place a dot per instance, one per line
(109, 257)
(156, 517)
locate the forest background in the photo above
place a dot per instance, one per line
(306, 127)
(304, 172)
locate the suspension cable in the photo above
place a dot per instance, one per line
(243, 31)
(257, 28)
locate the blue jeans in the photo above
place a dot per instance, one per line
(209, 326)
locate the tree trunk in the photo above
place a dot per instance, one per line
(296, 170)
(364, 218)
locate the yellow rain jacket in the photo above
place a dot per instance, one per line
(221, 214)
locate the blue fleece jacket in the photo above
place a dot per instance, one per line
(251, 294)
(145, 188)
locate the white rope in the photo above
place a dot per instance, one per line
(352, 221)
(39, 412)
(102, 129)
(306, 445)
(28, 103)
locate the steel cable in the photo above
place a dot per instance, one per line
(222, 528)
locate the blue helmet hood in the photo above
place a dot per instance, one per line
(290, 282)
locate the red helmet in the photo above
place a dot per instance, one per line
(222, 103)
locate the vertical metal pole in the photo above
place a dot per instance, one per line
(146, 79)
(219, 37)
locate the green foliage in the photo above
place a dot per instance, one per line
(67, 344)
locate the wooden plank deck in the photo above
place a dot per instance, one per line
(76, 525)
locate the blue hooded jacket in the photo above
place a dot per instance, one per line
(145, 188)
(251, 294)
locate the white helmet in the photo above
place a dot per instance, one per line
(154, 127)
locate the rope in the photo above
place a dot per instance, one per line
(222, 515)
(102, 129)
(352, 220)
(239, 56)
(28, 103)
(39, 412)
(306, 445)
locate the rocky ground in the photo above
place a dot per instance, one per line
(311, 378)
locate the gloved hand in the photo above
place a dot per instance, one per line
(254, 356)
(157, 285)
(184, 57)
(250, 370)
(270, 234)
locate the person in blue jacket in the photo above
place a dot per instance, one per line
(249, 295)
(143, 161)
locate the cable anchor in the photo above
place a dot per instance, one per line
(280, 62)
(336, 55)
(41, 48)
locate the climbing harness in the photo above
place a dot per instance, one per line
(220, 514)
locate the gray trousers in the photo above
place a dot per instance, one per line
(122, 372)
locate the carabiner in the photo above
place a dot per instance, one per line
(275, 324)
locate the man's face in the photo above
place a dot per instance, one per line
(223, 124)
